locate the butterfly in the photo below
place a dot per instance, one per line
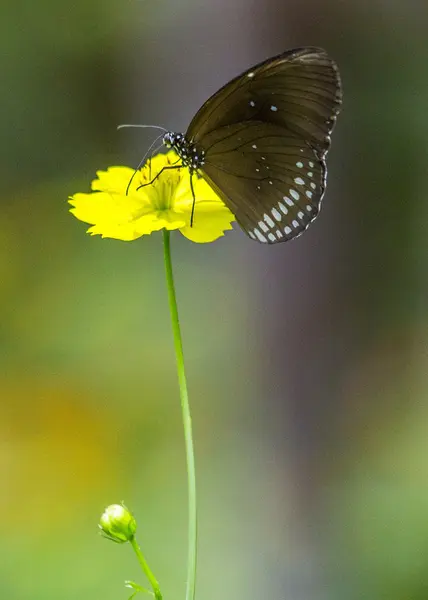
(261, 142)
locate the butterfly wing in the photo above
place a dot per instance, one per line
(265, 135)
(271, 180)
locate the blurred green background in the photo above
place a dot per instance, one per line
(307, 362)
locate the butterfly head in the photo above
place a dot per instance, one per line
(170, 139)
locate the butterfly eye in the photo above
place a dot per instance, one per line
(168, 140)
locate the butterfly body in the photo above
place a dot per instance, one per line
(261, 142)
(191, 155)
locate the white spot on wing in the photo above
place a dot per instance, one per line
(295, 194)
(250, 74)
(299, 181)
(288, 200)
(254, 146)
(295, 224)
(308, 193)
(251, 234)
(263, 226)
(299, 164)
(268, 220)
(311, 164)
(274, 108)
(287, 230)
(308, 207)
(276, 214)
(310, 174)
(283, 208)
(252, 103)
(300, 214)
(260, 236)
(279, 234)
(272, 237)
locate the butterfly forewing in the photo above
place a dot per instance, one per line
(299, 90)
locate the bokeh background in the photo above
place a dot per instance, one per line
(307, 362)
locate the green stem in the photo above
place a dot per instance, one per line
(187, 422)
(152, 579)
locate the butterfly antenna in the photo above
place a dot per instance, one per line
(142, 161)
(142, 126)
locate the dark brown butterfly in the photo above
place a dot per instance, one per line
(261, 142)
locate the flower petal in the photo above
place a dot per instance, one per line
(109, 207)
(211, 217)
(115, 178)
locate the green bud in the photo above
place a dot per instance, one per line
(117, 523)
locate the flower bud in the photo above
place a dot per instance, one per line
(117, 523)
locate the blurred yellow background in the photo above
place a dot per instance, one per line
(307, 362)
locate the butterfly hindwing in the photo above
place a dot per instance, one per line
(272, 181)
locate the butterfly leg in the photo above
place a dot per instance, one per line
(151, 156)
(140, 164)
(156, 176)
(194, 200)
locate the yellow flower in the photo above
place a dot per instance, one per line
(167, 202)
